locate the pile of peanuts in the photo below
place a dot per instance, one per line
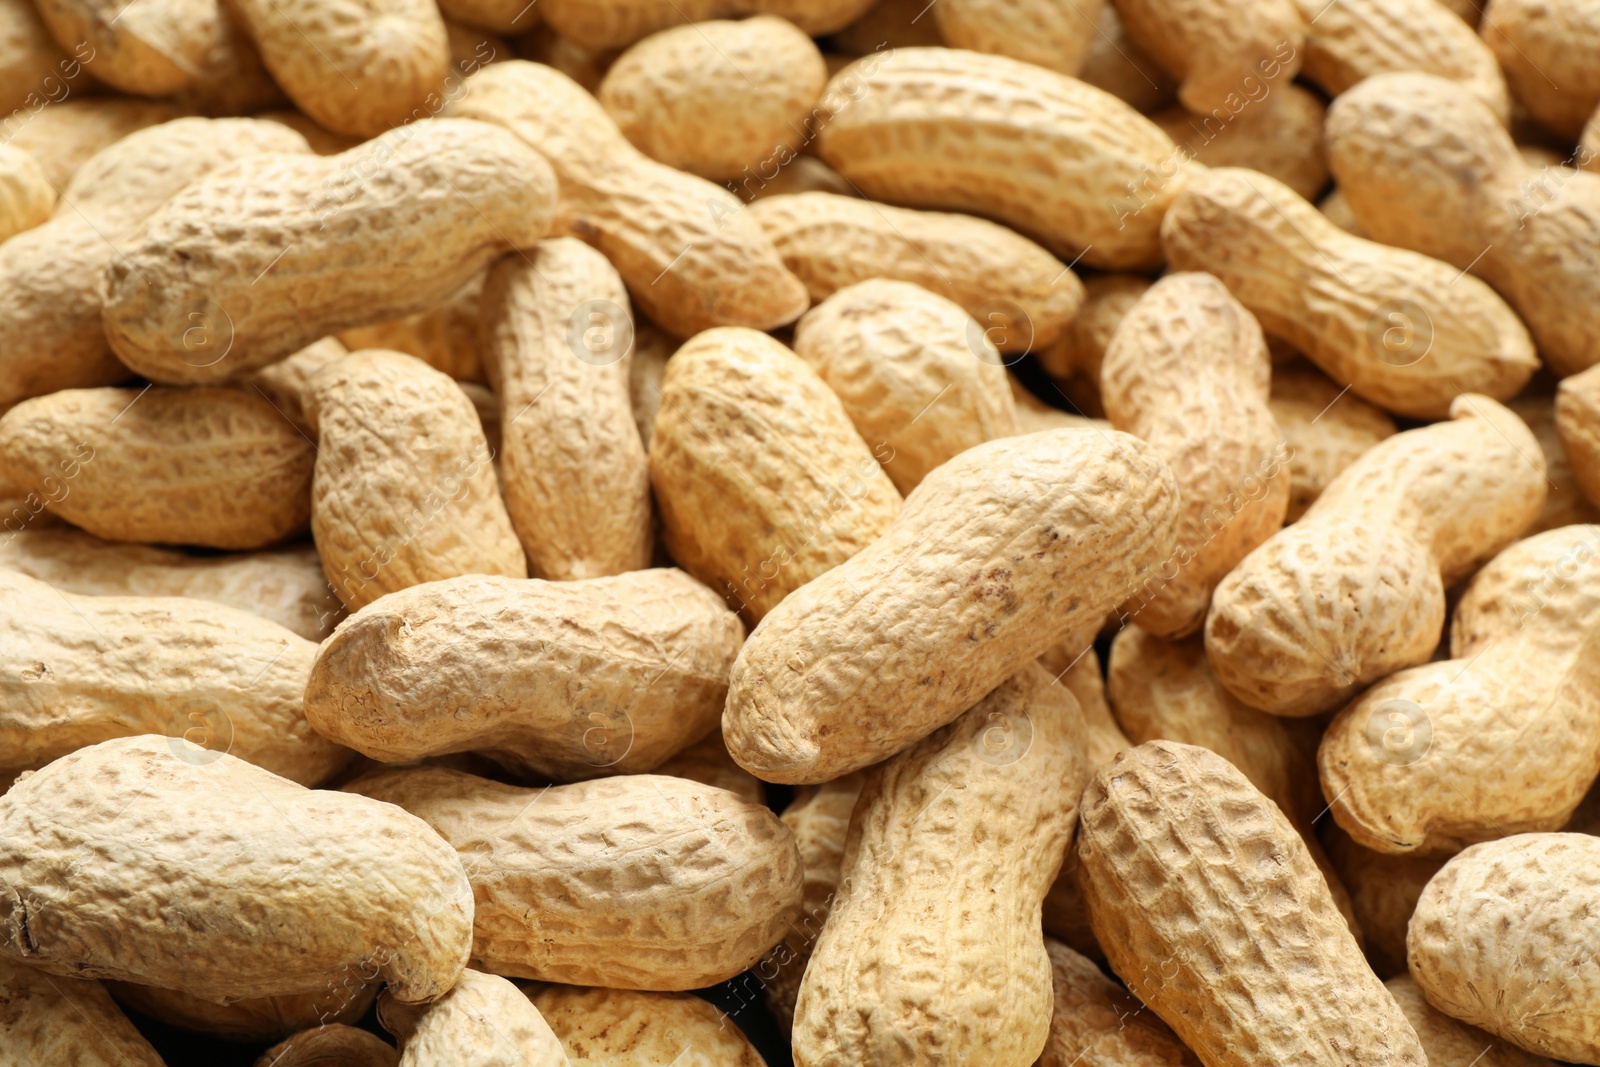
(978, 533)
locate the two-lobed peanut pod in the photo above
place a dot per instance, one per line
(1055, 36)
(1546, 51)
(26, 196)
(1219, 52)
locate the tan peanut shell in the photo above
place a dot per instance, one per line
(973, 566)
(586, 66)
(288, 385)
(1356, 39)
(651, 351)
(1059, 160)
(334, 1045)
(1503, 738)
(932, 952)
(83, 669)
(149, 49)
(212, 467)
(276, 252)
(1578, 422)
(65, 135)
(484, 1020)
(1159, 825)
(249, 1020)
(1427, 167)
(697, 883)
(356, 69)
(915, 372)
(26, 195)
(719, 99)
(285, 586)
(1074, 360)
(619, 23)
(50, 309)
(495, 16)
(1588, 151)
(444, 337)
(32, 65)
(1383, 892)
(1279, 135)
(1097, 1024)
(1187, 372)
(1565, 503)
(629, 1028)
(50, 1019)
(691, 259)
(998, 276)
(1354, 591)
(323, 142)
(1080, 672)
(404, 492)
(761, 480)
(1054, 36)
(1327, 429)
(1546, 50)
(887, 24)
(1503, 939)
(802, 174)
(1449, 1042)
(557, 337)
(1120, 67)
(100, 845)
(708, 762)
(1219, 52)
(232, 78)
(1337, 210)
(1404, 331)
(557, 680)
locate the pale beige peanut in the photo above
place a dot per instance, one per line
(691, 259)
(699, 883)
(63, 136)
(1277, 133)
(1024, 296)
(559, 680)
(1356, 39)
(357, 69)
(630, 1028)
(404, 492)
(1327, 430)
(289, 384)
(719, 99)
(1502, 738)
(1097, 1024)
(1061, 161)
(245, 246)
(1405, 332)
(51, 1019)
(148, 47)
(33, 69)
(1491, 912)
(1546, 51)
(761, 480)
(285, 586)
(557, 337)
(97, 847)
(1449, 1042)
(231, 78)
(1117, 65)
(619, 23)
(210, 466)
(708, 762)
(444, 337)
(1218, 51)
(334, 1045)
(484, 1020)
(831, 681)
(1578, 423)
(1187, 371)
(251, 1019)
(1054, 36)
(1157, 826)
(26, 196)
(915, 373)
(1427, 167)
(1066, 914)
(50, 307)
(82, 669)
(1565, 503)
(1075, 360)
(1354, 591)
(1383, 894)
(951, 849)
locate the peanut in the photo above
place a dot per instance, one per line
(931, 876)
(77, 835)
(26, 196)
(1074, 361)
(1546, 50)
(1503, 940)
(1383, 895)
(484, 1020)
(1158, 825)
(1115, 64)
(333, 1045)
(66, 135)
(1187, 371)
(444, 337)
(756, 466)
(232, 78)
(1565, 503)
(1080, 672)
(1404, 331)
(1450, 1043)
(1578, 422)
(1326, 428)
(57, 1020)
(557, 337)
(707, 761)
(625, 1028)
(602, 24)
(888, 24)
(1097, 1024)
(1056, 37)
(30, 60)
(1059, 160)
(802, 174)
(586, 66)
(275, 252)
(718, 99)
(261, 1019)
(1023, 296)
(403, 493)
(1427, 167)
(647, 368)
(665, 920)
(1354, 591)
(569, 679)
(1280, 136)
(497, 16)
(323, 142)
(1219, 52)
(149, 48)
(288, 385)
(691, 260)
(914, 371)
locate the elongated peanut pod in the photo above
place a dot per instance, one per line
(484, 1020)
(147, 48)
(1157, 826)
(974, 567)
(1279, 135)
(1053, 36)
(932, 883)
(1543, 49)
(1096, 1021)
(611, 1027)
(1450, 1042)
(619, 23)
(334, 1045)
(55, 1019)
(1219, 52)
(1565, 503)
(257, 261)
(558, 338)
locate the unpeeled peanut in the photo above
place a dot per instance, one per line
(708, 762)
(1565, 503)
(58, 1020)
(1279, 135)
(251, 1019)
(484, 1020)
(334, 1045)
(1219, 52)
(26, 195)
(31, 63)
(1546, 50)
(1327, 430)
(1383, 890)
(150, 49)
(65, 135)
(1054, 36)
(444, 337)
(1449, 1042)
(1074, 361)
(1578, 422)
(1096, 1022)
(1117, 65)
(619, 23)
(630, 1028)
